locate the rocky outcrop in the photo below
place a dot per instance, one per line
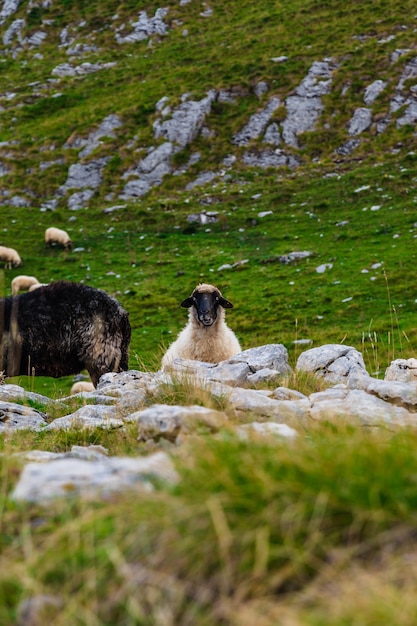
(253, 386)
(271, 136)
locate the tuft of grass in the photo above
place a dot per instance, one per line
(251, 526)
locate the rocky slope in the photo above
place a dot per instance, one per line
(353, 396)
(327, 115)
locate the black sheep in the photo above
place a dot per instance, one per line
(61, 329)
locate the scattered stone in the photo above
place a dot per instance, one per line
(9, 7)
(305, 107)
(401, 370)
(186, 121)
(265, 429)
(361, 120)
(88, 175)
(257, 124)
(145, 27)
(66, 69)
(334, 362)
(19, 417)
(61, 478)
(89, 416)
(166, 421)
(373, 90)
(205, 217)
(348, 147)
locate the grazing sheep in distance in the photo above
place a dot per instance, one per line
(10, 256)
(22, 283)
(56, 235)
(81, 385)
(206, 337)
(63, 329)
(36, 286)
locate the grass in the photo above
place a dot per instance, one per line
(253, 530)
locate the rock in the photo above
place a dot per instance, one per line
(163, 420)
(270, 158)
(265, 429)
(202, 179)
(18, 417)
(393, 392)
(66, 69)
(117, 384)
(359, 406)
(373, 90)
(14, 31)
(361, 120)
(9, 7)
(41, 482)
(304, 108)
(348, 147)
(271, 356)
(334, 362)
(89, 416)
(16, 393)
(150, 171)
(106, 129)
(186, 121)
(145, 27)
(401, 370)
(272, 135)
(257, 124)
(88, 175)
(234, 374)
(260, 403)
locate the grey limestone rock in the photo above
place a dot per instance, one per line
(402, 370)
(19, 417)
(373, 90)
(145, 27)
(335, 362)
(257, 123)
(361, 407)
(265, 429)
(305, 106)
(166, 421)
(9, 7)
(87, 175)
(101, 477)
(186, 121)
(361, 120)
(88, 416)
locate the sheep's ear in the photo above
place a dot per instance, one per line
(187, 303)
(225, 303)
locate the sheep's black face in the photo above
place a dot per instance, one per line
(206, 306)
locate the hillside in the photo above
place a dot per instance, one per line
(199, 140)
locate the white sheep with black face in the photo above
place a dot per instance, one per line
(206, 337)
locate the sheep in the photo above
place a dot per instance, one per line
(36, 286)
(80, 386)
(56, 235)
(206, 337)
(22, 282)
(10, 256)
(62, 329)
